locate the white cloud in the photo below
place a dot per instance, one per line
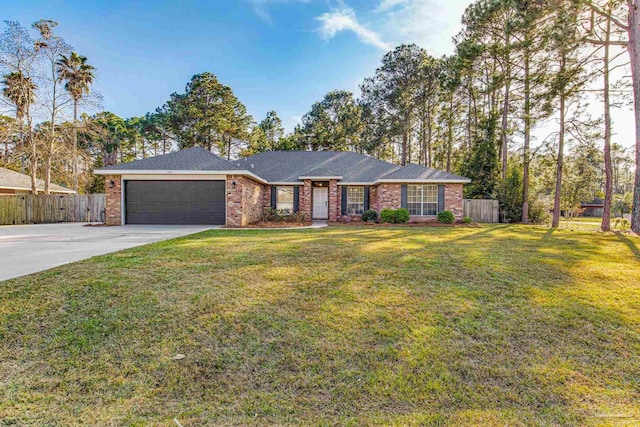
(429, 23)
(260, 7)
(345, 20)
(386, 5)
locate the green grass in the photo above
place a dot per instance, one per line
(499, 325)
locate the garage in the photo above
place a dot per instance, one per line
(175, 202)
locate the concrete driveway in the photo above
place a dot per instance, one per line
(26, 249)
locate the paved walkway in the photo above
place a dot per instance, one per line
(26, 249)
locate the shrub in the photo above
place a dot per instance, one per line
(270, 215)
(467, 220)
(369, 215)
(394, 216)
(387, 215)
(402, 216)
(446, 217)
(622, 223)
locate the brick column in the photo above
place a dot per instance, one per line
(334, 200)
(234, 201)
(305, 198)
(113, 208)
(453, 199)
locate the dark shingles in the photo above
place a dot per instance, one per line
(196, 159)
(288, 166)
(413, 171)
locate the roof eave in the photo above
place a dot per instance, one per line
(177, 172)
(319, 177)
(51, 190)
(425, 181)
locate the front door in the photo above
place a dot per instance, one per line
(320, 203)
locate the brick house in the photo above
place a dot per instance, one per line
(195, 186)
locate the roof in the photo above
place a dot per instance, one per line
(596, 202)
(18, 181)
(190, 159)
(288, 167)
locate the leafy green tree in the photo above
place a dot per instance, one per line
(391, 94)
(208, 115)
(335, 123)
(481, 165)
(510, 195)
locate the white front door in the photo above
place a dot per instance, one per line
(320, 203)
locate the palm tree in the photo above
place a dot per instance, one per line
(78, 75)
(20, 90)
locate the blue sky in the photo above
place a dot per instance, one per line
(278, 55)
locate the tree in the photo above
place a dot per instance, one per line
(481, 166)
(335, 123)
(427, 101)
(208, 115)
(52, 48)
(78, 76)
(567, 80)
(391, 93)
(20, 90)
(272, 128)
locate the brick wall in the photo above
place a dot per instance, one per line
(453, 199)
(389, 196)
(245, 202)
(113, 207)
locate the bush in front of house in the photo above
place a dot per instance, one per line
(394, 216)
(369, 215)
(402, 216)
(467, 220)
(282, 215)
(446, 217)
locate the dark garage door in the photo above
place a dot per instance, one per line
(175, 202)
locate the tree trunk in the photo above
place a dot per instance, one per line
(608, 187)
(75, 146)
(405, 143)
(429, 138)
(634, 54)
(555, 222)
(527, 138)
(505, 122)
(450, 134)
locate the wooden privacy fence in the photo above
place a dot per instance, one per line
(482, 210)
(41, 208)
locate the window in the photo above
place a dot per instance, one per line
(422, 200)
(284, 200)
(355, 200)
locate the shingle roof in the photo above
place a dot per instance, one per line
(19, 181)
(288, 166)
(413, 171)
(195, 159)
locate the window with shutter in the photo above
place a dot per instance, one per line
(422, 200)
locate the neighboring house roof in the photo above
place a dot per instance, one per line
(191, 159)
(595, 203)
(13, 180)
(288, 167)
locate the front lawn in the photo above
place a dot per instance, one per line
(499, 325)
